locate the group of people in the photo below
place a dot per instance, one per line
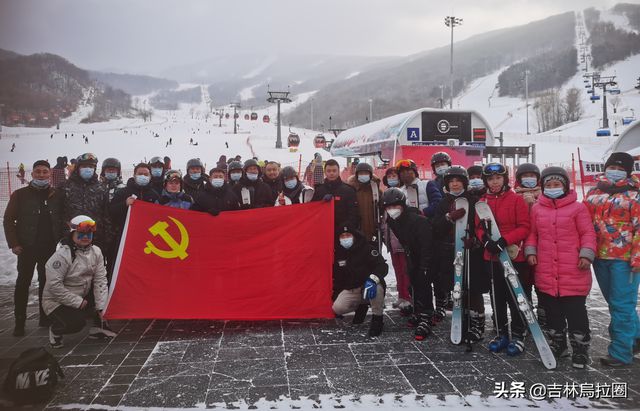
(553, 240)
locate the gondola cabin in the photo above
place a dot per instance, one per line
(319, 141)
(246, 117)
(265, 119)
(293, 141)
(254, 116)
(226, 115)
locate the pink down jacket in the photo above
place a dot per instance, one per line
(561, 233)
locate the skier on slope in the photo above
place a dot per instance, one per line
(364, 182)
(562, 246)
(358, 278)
(415, 234)
(614, 205)
(512, 217)
(196, 180)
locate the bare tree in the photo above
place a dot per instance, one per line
(572, 105)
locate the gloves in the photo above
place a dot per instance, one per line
(469, 243)
(370, 287)
(495, 247)
(213, 211)
(456, 214)
(327, 197)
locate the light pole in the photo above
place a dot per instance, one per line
(451, 21)
(235, 107)
(311, 113)
(278, 97)
(370, 110)
(526, 96)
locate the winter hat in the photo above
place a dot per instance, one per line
(217, 169)
(41, 163)
(142, 165)
(555, 173)
(621, 159)
(474, 170)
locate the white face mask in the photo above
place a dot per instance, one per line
(346, 242)
(217, 182)
(441, 170)
(394, 212)
(235, 176)
(476, 183)
(456, 193)
(364, 178)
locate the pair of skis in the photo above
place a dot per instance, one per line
(511, 275)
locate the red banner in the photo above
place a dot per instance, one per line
(268, 263)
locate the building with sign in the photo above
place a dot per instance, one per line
(417, 135)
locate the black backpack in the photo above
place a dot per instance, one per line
(33, 376)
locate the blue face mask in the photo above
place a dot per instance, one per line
(252, 176)
(156, 172)
(291, 184)
(195, 176)
(441, 170)
(110, 176)
(364, 178)
(40, 183)
(476, 183)
(553, 192)
(235, 176)
(456, 193)
(346, 242)
(529, 182)
(86, 173)
(142, 180)
(393, 182)
(615, 175)
(217, 182)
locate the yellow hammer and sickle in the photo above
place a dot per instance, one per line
(177, 250)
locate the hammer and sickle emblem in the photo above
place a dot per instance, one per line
(177, 250)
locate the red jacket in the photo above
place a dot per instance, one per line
(561, 233)
(512, 216)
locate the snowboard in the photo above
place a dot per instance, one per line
(511, 275)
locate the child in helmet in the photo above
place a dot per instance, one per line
(528, 183)
(562, 245)
(72, 271)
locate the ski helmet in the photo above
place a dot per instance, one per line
(111, 162)
(456, 171)
(439, 157)
(527, 168)
(83, 224)
(156, 160)
(173, 175)
(87, 158)
(249, 163)
(474, 170)
(195, 162)
(407, 165)
(234, 165)
(559, 173)
(364, 167)
(289, 172)
(393, 196)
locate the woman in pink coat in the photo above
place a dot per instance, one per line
(562, 245)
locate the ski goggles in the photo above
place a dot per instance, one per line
(87, 226)
(156, 160)
(493, 169)
(405, 164)
(82, 236)
(87, 157)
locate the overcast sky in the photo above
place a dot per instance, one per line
(146, 36)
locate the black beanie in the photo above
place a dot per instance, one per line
(621, 159)
(41, 163)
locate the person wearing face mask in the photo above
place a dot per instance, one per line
(512, 217)
(157, 173)
(294, 191)
(234, 172)
(195, 180)
(358, 278)
(172, 194)
(368, 195)
(456, 183)
(111, 178)
(272, 178)
(528, 183)
(32, 226)
(138, 188)
(562, 246)
(251, 190)
(345, 201)
(74, 271)
(614, 205)
(218, 196)
(84, 194)
(398, 258)
(476, 184)
(440, 162)
(422, 196)
(415, 234)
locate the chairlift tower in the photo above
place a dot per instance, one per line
(451, 21)
(603, 83)
(278, 97)
(235, 107)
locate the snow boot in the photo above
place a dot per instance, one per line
(375, 329)
(406, 309)
(361, 313)
(580, 345)
(516, 346)
(612, 362)
(18, 330)
(558, 345)
(476, 327)
(101, 332)
(55, 341)
(423, 330)
(441, 311)
(499, 343)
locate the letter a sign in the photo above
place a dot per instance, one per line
(413, 134)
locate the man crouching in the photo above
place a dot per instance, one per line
(358, 279)
(72, 271)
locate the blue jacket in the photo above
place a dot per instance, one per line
(176, 200)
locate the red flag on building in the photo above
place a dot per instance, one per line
(268, 263)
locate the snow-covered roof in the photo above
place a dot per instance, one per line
(629, 140)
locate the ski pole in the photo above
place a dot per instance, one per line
(487, 229)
